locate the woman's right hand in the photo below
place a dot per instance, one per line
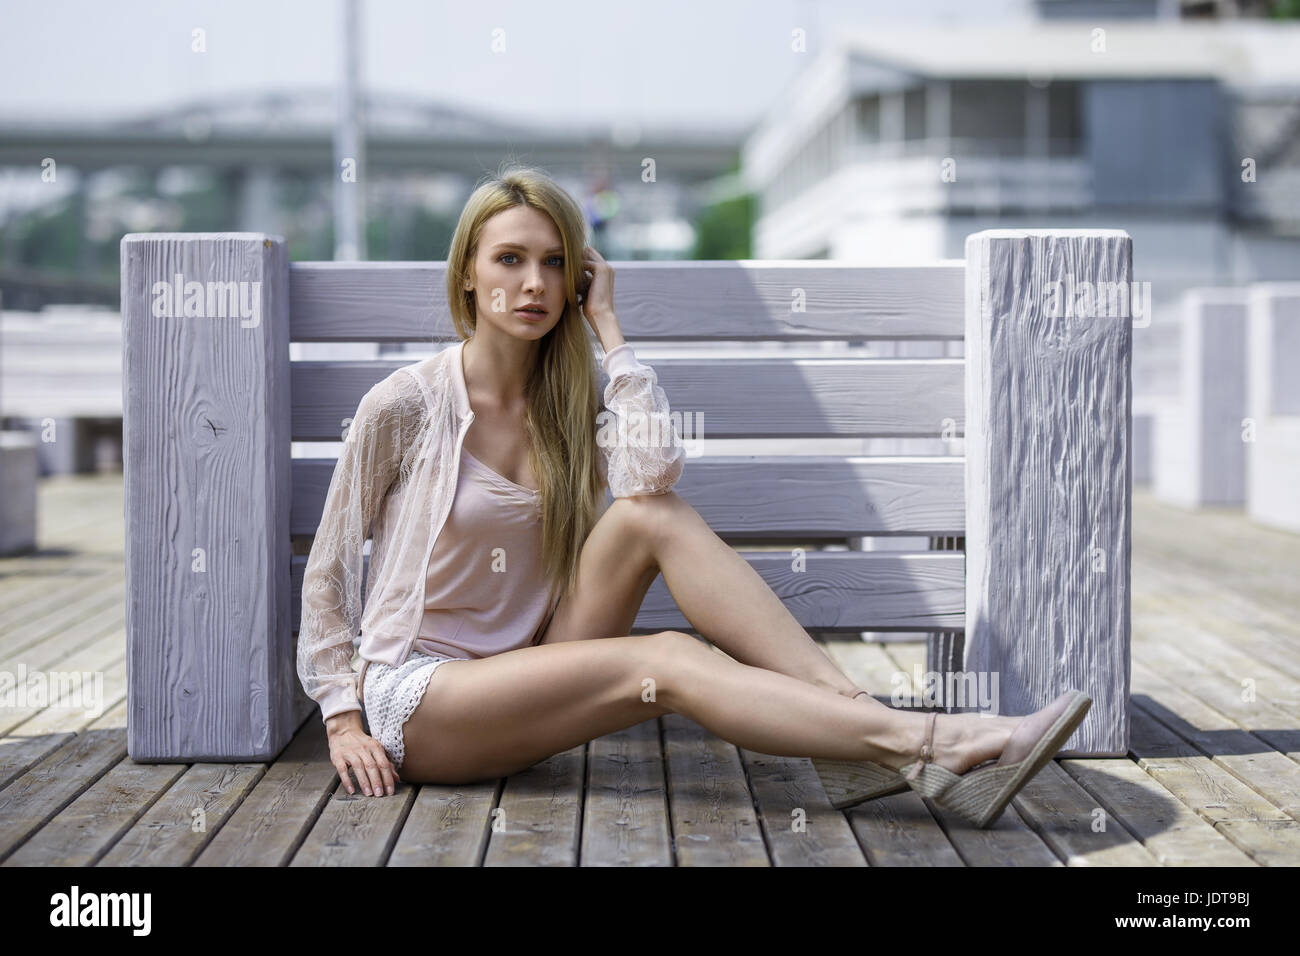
(351, 747)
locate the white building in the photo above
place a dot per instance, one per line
(896, 144)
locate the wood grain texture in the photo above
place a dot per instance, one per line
(735, 398)
(801, 299)
(804, 497)
(1048, 477)
(206, 466)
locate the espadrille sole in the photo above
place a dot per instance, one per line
(850, 782)
(980, 796)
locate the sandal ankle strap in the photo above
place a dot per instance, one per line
(927, 748)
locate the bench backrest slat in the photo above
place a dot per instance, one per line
(790, 301)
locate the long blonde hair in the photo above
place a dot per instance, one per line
(561, 392)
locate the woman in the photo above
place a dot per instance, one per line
(530, 589)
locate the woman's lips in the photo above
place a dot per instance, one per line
(532, 316)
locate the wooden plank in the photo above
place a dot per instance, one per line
(1171, 831)
(62, 617)
(83, 832)
(1064, 815)
(711, 808)
(900, 830)
(40, 793)
(799, 824)
(806, 497)
(447, 826)
(1217, 695)
(206, 478)
(837, 591)
(1193, 777)
(280, 809)
(1253, 564)
(625, 816)
(59, 643)
(354, 829)
(683, 300)
(1048, 474)
(176, 828)
(1248, 663)
(540, 814)
(20, 753)
(107, 686)
(25, 601)
(70, 689)
(55, 651)
(1249, 821)
(1249, 758)
(738, 398)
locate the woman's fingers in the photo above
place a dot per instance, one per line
(384, 771)
(376, 774)
(342, 767)
(371, 784)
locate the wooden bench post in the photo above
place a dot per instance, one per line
(1048, 472)
(1200, 458)
(1273, 442)
(205, 373)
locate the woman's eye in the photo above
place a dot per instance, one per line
(559, 260)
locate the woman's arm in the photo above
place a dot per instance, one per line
(331, 586)
(641, 452)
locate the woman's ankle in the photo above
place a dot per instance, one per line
(963, 741)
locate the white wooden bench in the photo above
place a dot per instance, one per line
(219, 517)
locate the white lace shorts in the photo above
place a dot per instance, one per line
(391, 695)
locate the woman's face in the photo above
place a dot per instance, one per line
(519, 262)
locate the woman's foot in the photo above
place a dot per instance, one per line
(961, 741)
(1031, 728)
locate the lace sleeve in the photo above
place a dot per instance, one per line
(649, 459)
(369, 462)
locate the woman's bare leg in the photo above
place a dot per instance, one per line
(716, 589)
(729, 603)
(492, 717)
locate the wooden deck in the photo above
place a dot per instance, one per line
(1212, 777)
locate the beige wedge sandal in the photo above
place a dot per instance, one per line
(980, 795)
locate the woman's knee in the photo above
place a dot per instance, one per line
(675, 656)
(648, 516)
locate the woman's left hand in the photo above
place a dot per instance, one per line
(599, 299)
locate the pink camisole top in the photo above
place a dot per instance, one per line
(485, 591)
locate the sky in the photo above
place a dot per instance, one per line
(689, 62)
